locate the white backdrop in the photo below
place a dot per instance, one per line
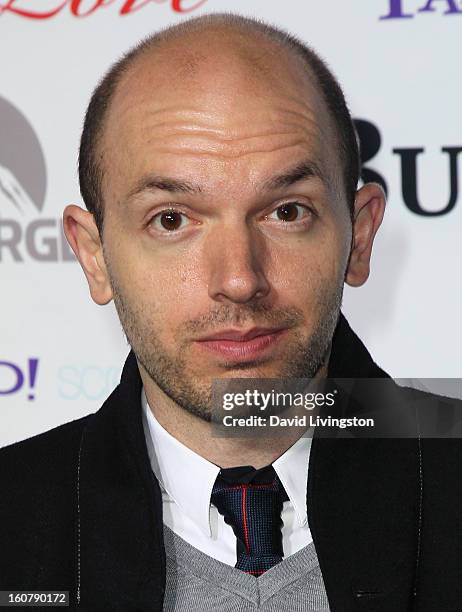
(398, 63)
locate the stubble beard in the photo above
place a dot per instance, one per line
(302, 358)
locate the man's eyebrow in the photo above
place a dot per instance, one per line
(153, 182)
(300, 172)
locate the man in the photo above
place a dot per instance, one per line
(219, 166)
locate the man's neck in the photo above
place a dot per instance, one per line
(198, 434)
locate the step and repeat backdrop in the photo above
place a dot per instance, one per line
(398, 61)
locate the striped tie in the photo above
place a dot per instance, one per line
(251, 501)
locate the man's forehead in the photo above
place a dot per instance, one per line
(219, 71)
(226, 108)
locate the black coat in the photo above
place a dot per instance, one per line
(81, 511)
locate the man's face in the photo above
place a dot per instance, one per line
(208, 232)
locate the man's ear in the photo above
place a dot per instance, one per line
(83, 237)
(368, 214)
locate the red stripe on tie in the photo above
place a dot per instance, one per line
(244, 517)
(265, 485)
(252, 486)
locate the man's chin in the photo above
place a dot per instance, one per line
(256, 369)
(253, 369)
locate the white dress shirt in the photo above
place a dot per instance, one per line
(186, 480)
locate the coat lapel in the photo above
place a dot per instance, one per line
(120, 542)
(363, 503)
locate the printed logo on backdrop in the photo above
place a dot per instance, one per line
(25, 233)
(16, 378)
(73, 381)
(45, 9)
(87, 381)
(410, 158)
(406, 9)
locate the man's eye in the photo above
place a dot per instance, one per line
(169, 220)
(292, 211)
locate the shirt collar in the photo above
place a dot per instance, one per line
(188, 478)
(292, 469)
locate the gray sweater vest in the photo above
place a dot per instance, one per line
(198, 583)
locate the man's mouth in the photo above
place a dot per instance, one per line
(242, 345)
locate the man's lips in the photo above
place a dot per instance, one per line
(239, 335)
(241, 345)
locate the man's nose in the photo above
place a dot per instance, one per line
(236, 261)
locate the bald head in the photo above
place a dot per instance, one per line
(223, 76)
(224, 159)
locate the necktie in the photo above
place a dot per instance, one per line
(251, 501)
